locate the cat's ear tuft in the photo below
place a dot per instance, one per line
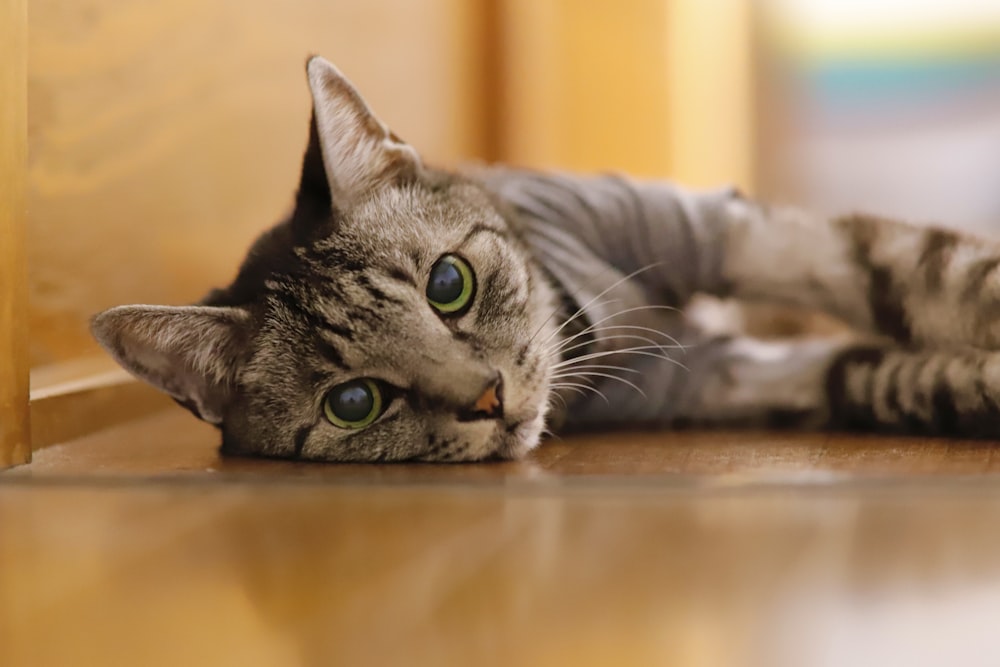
(359, 152)
(192, 353)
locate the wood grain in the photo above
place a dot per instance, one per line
(548, 571)
(14, 362)
(139, 545)
(165, 134)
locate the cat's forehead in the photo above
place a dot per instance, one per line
(392, 218)
(377, 258)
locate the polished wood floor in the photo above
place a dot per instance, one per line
(139, 546)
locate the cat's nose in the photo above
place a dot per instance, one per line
(489, 405)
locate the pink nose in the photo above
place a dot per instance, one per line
(490, 402)
(489, 405)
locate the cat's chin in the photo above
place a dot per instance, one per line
(520, 439)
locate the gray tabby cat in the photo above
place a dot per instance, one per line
(405, 313)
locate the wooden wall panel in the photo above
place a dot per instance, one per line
(711, 104)
(14, 444)
(652, 87)
(585, 86)
(164, 134)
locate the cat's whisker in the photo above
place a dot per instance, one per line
(584, 307)
(572, 316)
(611, 377)
(609, 367)
(633, 337)
(581, 386)
(555, 311)
(573, 294)
(564, 345)
(559, 385)
(569, 363)
(638, 351)
(561, 346)
(635, 309)
(562, 400)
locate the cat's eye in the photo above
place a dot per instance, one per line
(354, 404)
(451, 285)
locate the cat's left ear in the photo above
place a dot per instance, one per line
(359, 152)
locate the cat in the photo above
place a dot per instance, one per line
(402, 312)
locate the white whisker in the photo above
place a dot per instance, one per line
(562, 400)
(580, 386)
(612, 377)
(566, 386)
(628, 327)
(569, 363)
(635, 309)
(608, 367)
(571, 317)
(652, 343)
(639, 351)
(581, 309)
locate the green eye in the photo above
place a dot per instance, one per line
(451, 285)
(354, 404)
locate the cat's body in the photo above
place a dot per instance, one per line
(633, 255)
(406, 313)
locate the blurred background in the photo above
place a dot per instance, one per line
(887, 105)
(165, 134)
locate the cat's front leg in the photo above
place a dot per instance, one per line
(918, 285)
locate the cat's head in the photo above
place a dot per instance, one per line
(395, 315)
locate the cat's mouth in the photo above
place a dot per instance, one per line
(519, 436)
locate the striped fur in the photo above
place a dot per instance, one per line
(582, 284)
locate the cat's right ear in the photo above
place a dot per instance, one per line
(192, 353)
(313, 202)
(357, 151)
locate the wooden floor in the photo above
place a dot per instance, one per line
(139, 546)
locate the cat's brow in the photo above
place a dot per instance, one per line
(484, 229)
(399, 274)
(331, 353)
